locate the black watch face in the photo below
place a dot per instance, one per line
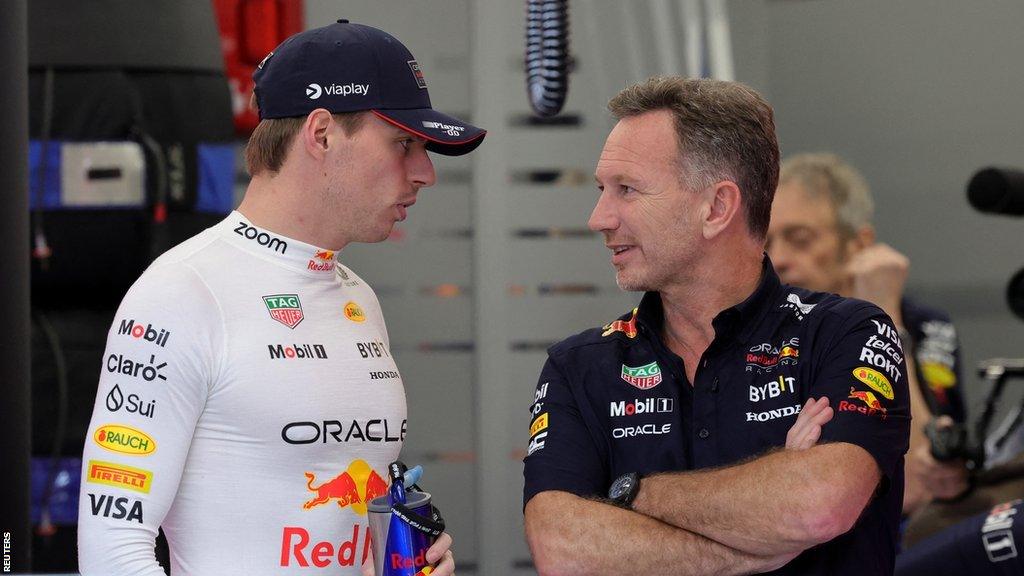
(621, 487)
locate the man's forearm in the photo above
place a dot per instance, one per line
(784, 502)
(569, 535)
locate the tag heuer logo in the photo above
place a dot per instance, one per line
(285, 308)
(643, 377)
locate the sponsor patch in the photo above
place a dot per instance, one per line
(417, 73)
(540, 424)
(146, 332)
(536, 443)
(322, 261)
(353, 488)
(641, 406)
(875, 379)
(774, 413)
(124, 440)
(116, 508)
(354, 312)
(285, 308)
(773, 389)
(120, 476)
(642, 430)
(799, 309)
(643, 377)
(627, 327)
(871, 406)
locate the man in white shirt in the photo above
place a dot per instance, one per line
(248, 402)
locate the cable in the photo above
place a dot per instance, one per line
(547, 55)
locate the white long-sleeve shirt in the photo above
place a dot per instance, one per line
(248, 403)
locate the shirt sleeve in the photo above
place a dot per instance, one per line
(154, 379)
(864, 376)
(561, 454)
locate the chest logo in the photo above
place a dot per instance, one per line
(285, 308)
(642, 377)
(627, 327)
(354, 312)
(799, 309)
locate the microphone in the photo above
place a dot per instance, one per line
(997, 191)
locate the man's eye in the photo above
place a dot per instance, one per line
(626, 189)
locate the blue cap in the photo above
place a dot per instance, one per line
(346, 67)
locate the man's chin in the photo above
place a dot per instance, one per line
(629, 283)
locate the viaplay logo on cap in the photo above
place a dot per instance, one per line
(314, 90)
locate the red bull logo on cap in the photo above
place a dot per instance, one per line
(354, 487)
(872, 406)
(627, 327)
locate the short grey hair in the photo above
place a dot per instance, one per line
(824, 174)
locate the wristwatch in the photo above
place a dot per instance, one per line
(624, 489)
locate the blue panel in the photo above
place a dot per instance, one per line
(48, 197)
(216, 190)
(66, 480)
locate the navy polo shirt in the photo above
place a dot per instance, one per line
(614, 400)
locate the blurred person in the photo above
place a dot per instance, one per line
(248, 402)
(729, 424)
(821, 238)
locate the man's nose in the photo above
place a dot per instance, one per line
(603, 216)
(421, 172)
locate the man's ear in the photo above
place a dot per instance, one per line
(313, 133)
(723, 204)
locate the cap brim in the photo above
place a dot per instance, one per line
(444, 134)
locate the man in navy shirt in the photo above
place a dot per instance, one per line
(821, 238)
(656, 443)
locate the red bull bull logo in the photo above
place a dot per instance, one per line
(354, 488)
(627, 327)
(872, 407)
(322, 261)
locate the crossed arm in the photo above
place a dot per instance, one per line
(749, 518)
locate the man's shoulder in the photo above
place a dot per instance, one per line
(824, 307)
(174, 272)
(619, 332)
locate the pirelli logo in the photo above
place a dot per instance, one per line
(120, 476)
